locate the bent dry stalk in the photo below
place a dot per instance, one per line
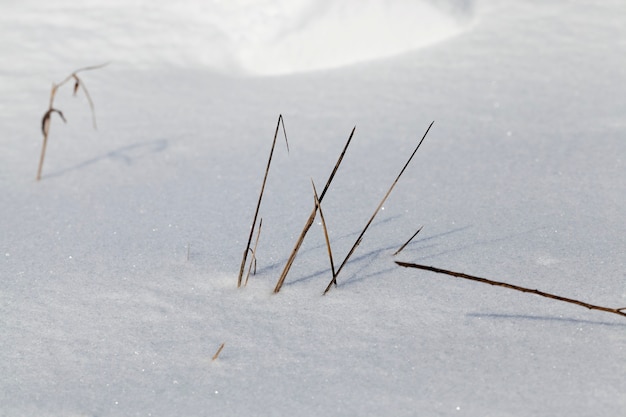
(45, 121)
(618, 311)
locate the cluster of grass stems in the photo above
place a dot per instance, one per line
(45, 121)
(317, 208)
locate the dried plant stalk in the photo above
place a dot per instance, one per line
(360, 238)
(258, 206)
(618, 311)
(45, 121)
(408, 241)
(311, 219)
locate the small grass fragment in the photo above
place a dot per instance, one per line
(219, 350)
(253, 259)
(408, 241)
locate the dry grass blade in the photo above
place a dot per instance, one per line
(319, 207)
(258, 206)
(219, 350)
(408, 241)
(358, 240)
(253, 259)
(311, 219)
(618, 311)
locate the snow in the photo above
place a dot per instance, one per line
(521, 179)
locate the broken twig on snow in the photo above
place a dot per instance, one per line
(618, 311)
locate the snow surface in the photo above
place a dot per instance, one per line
(119, 269)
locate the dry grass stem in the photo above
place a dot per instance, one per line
(311, 218)
(358, 240)
(618, 311)
(408, 241)
(258, 206)
(253, 259)
(45, 121)
(219, 350)
(319, 207)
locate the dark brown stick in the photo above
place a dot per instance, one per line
(619, 311)
(311, 219)
(258, 206)
(358, 240)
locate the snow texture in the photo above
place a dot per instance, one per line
(118, 269)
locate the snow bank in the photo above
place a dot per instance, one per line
(245, 37)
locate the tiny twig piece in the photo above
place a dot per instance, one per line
(358, 240)
(311, 219)
(319, 207)
(219, 350)
(408, 241)
(253, 259)
(258, 206)
(45, 122)
(618, 311)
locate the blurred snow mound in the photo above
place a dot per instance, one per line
(286, 36)
(253, 37)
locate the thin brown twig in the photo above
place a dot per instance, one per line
(258, 206)
(618, 311)
(360, 238)
(408, 241)
(319, 207)
(311, 219)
